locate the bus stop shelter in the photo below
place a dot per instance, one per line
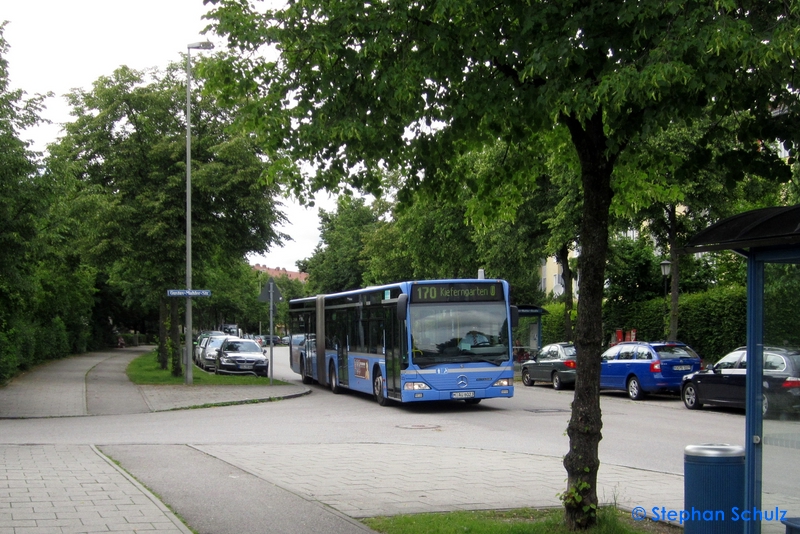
(769, 240)
(534, 335)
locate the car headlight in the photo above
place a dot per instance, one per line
(504, 382)
(416, 385)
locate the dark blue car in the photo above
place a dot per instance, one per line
(640, 367)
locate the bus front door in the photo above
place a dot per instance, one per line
(392, 350)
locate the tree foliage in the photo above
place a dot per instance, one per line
(361, 87)
(337, 262)
(126, 151)
(46, 296)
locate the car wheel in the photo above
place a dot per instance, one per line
(766, 410)
(635, 389)
(690, 398)
(557, 384)
(377, 388)
(526, 378)
(333, 379)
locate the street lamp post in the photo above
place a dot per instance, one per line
(203, 45)
(665, 270)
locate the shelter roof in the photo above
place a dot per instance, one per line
(767, 227)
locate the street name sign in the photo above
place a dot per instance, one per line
(188, 292)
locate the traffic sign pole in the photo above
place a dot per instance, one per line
(271, 331)
(270, 293)
(188, 344)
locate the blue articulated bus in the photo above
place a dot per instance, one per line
(427, 340)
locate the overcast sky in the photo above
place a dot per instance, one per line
(58, 45)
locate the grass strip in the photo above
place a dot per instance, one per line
(145, 370)
(519, 521)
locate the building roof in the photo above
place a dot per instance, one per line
(280, 271)
(766, 227)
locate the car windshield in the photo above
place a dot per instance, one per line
(569, 350)
(669, 352)
(215, 342)
(242, 346)
(448, 333)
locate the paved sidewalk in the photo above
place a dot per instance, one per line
(436, 479)
(50, 488)
(95, 384)
(75, 488)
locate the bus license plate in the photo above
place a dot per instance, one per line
(463, 394)
(682, 368)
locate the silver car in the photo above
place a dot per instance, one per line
(207, 352)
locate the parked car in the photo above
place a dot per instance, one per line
(724, 383)
(640, 367)
(207, 352)
(241, 356)
(276, 340)
(199, 339)
(554, 363)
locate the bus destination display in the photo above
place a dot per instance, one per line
(457, 292)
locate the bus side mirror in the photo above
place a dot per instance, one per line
(402, 306)
(514, 316)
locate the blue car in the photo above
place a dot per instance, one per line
(640, 367)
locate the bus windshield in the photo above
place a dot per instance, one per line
(459, 333)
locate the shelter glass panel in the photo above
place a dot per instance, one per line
(780, 471)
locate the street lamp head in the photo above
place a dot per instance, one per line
(202, 45)
(665, 268)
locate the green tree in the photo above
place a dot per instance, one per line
(336, 264)
(45, 295)
(632, 271)
(700, 172)
(359, 88)
(24, 203)
(126, 147)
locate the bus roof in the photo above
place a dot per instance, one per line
(404, 287)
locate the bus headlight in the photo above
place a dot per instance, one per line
(504, 382)
(416, 385)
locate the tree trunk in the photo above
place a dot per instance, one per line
(674, 272)
(584, 430)
(163, 353)
(175, 337)
(563, 258)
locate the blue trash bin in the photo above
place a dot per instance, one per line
(713, 487)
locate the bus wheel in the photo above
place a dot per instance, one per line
(472, 401)
(377, 388)
(305, 379)
(333, 380)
